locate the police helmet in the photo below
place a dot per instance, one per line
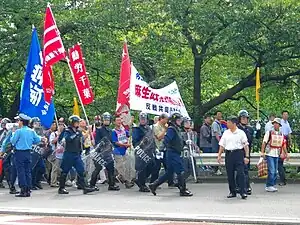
(34, 120)
(5, 121)
(243, 113)
(74, 119)
(106, 116)
(175, 116)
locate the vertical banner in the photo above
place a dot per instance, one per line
(123, 106)
(80, 75)
(32, 102)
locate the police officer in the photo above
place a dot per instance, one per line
(9, 169)
(22, 140)
(3, 134)
(144, 168)
(243, 125)
(174, 146)
(37, 163)
(104, 132)
(72, 156)
(235, 144)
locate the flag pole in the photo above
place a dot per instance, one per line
(83, 109)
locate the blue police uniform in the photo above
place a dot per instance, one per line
(174, 146)
(72, 158)
(9, 169)
(22, 140)
(144, 171)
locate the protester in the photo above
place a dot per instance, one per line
(205, 135)
(269, 124)
(52, 158)
(121, 143)
(273, 148)
(287, 132)
(216, 137)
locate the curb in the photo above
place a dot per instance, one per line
(151, 216)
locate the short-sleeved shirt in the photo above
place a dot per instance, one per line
(158, 129)
(216, 128)
(285, 127)
(234, 140)
(120, 136)
(272, 151)
(53, 135)
(269, 126)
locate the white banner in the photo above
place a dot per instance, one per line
(154, 101)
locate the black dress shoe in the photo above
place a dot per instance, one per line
(249, 191)
(231, 195)
(186, 193)
(113, 188)
(39, 186)
(244, 196)
(144, 189)
(62, 191)
(95, 188)
(88, 190)
(282, 184)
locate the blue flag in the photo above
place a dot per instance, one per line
(32, 101)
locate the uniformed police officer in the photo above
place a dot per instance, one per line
(38, 164)
(104, 132)
(144, 169)
(3, 134)
(22, 140)
(72, 156)
(174, 146)
(234, 142)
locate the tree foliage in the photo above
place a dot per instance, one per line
(210, 47)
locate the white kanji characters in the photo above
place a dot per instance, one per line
(37, 76)
(83, 79)
(51, 54)
(46, 107)
(44, 112)
(61, 50)
(78, 68)
(35, 94)
(86, 93)
(75, 55)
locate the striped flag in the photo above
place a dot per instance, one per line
(52, 53)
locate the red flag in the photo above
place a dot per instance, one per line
(81, 79)
(52, 53)
(123, 105)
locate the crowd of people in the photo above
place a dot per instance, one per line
(74, 153)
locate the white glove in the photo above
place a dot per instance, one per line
(258, 126)
(188, 142)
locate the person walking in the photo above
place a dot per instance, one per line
(235, 144)
(174, 146)
(23, 139)
(273, 148)
(72, 156)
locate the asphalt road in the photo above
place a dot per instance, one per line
(209, 204)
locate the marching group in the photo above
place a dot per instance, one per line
(84, 156)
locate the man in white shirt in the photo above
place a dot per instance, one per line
(269, 124)
(235, 143)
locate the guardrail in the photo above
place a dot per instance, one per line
(210, 159)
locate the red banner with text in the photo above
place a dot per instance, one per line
(80, 75)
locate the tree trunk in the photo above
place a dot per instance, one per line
(14, 108)
(197, 90)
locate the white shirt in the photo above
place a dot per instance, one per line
(285, 127)
(234, 140)
(53, 135)
(268, 126)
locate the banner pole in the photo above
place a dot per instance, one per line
(83, 109)
(56, 120)
(257, 111)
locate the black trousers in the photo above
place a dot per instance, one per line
(110, 172)
(281, 171)
(234, 161)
